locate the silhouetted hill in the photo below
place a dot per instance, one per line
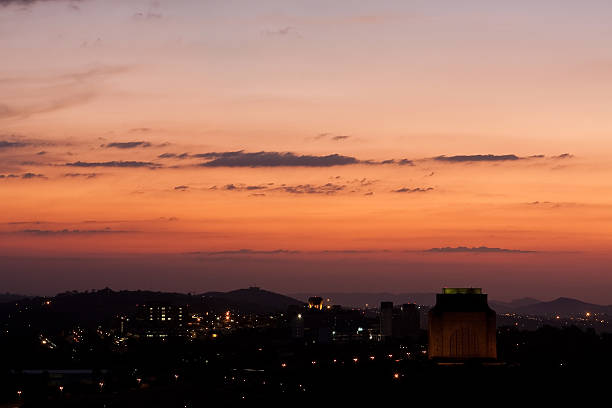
(95, 307)
(252, 300)
(563, 307)
(11, 297)
(508, 307)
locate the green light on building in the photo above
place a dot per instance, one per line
(462, 291)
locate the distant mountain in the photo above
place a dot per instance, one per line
(508, 307)
(371, 299)
(251, 300)
(563, 307)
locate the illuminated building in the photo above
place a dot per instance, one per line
(315, 302)
(462, 326)
(160, 320)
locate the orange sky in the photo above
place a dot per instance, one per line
(131, 129)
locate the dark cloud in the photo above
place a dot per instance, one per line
(127, 145)
(216, 155)
(563, 156)
(85, 175)
(113, 164)
(5, 144)
(23, 176)
(70, 232)
(355, 185)
(477, 249)
(412, 190)
(477, 158)
(173, 156)
(274, 159)
(242, 187)
(328, 189)
(28, 2)
(181, 188)
(340, 137)
(246, 252)
(402, 162)
(32, 176)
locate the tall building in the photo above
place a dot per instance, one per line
(386, 318)
(462, 326)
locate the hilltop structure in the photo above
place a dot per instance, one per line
(462, 326)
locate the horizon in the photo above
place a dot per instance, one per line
(293, 295)
(343, 146)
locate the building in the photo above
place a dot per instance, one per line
(462, 326)
(315, 302)
(153, 320)
(386, 319)
(406, 321)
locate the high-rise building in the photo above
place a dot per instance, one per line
(462, 326)
(386, 318)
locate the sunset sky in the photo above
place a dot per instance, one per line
(396, 146)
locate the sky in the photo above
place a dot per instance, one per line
(397, 146)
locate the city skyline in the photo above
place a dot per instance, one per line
(355, 146)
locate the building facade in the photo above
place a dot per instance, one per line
(462, 326)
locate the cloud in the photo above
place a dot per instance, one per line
(173, 156)
(282, 32)
(181, 188)
(147, 16)
(127, 145)
(32, 176)
(70, 232)
(86, 175)
(477, 158)
(35, 95)
(141, 129)
(412, 190)
(23, 176)
(402, 162)
(245, 252)
(274, 159)
(28, 2)
(5, 144)
(114, 164)
(242, 187)
(340, 137)
(328, 189)
(563, 156)
(481, 249)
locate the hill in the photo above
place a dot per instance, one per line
(252, 299)
(95, 307)
(563, 307)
